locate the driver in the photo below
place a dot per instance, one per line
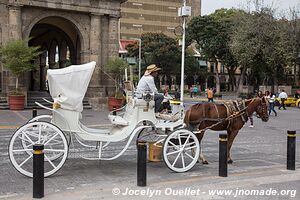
(147, 84)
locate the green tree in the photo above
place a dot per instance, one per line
(116, 68)
(17, 56)
(212, 33)
(262, 43)
(158, 49)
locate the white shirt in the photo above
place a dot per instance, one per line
(146, 84)
(282, 95)
(167, 98)
(271, 99)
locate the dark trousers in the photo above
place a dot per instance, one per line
(211, 99)
(158, 98)
(282, 104)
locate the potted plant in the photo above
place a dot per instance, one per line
(17, 56)
(116, 68)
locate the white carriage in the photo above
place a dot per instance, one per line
(136, 121)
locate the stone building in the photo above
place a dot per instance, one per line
(67, 31)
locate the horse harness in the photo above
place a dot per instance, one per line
(234, 110)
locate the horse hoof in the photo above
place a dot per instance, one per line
(205, 162)
(230, 161)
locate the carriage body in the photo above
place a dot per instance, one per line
(68, 87)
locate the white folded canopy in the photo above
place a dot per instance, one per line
(68, 85)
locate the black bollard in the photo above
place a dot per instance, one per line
(291, 150)
(34, 112)
(223, 155)
(38, 171)
(142, 164)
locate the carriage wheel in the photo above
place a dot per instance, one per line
(48, 118)
(55, 147)
(181, 150)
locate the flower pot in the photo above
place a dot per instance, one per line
(114, 103)
(16, 102)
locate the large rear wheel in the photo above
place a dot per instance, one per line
(181, 150)
(55, 147)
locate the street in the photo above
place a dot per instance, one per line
(259, 163)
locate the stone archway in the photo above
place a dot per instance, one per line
(58, 38)
(83, 30)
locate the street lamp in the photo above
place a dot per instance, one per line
(183, 12)
(140, 54)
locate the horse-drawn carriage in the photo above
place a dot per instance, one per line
(136, 120)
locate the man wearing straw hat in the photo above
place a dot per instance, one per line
(147, 84)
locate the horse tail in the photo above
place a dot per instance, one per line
(186, 119)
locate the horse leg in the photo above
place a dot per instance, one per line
(231, 136)
(201, 156)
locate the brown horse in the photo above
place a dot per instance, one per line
(230, 116)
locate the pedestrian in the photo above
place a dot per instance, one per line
(210, 95)
(250, 96)
(146, 83)
(297, 95)
(195, 90)
(191, 91)
(271, 99)
(282, 97)
(177, 94)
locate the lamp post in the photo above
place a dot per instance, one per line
(140, 54)
(183, 12)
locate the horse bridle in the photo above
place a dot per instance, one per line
(262, 108)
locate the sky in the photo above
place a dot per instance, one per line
(209, 6)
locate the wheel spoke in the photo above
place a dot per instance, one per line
(176, 159)
(179, 138)
(24, 139)
(49, 161)
(21, 150)
(27, 137)
(54, 150)
(39, 136)
(173, 144)
(171, 153)
(186, 141)
(50, 139)
(192, 147)
(182, 159)
(188, 155)
(26, 160)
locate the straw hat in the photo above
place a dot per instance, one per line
(150, 69)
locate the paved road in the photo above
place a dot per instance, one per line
(259, 155)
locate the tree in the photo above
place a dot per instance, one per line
(117, 67)
(17, 57)
(262, 43)
(158, 49)
(212, 33)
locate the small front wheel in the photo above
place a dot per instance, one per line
(181, 150)
(22, 141)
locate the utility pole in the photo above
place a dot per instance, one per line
(183, 12)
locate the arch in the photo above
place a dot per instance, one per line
(82, 33)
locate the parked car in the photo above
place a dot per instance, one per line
(298, 103)
(288, 102)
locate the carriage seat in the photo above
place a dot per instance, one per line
(143, 103)
(117, 120)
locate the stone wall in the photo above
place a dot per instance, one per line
(95, 21)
